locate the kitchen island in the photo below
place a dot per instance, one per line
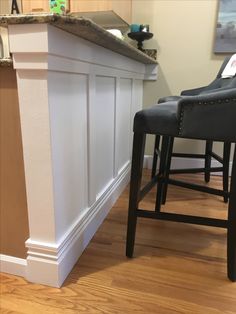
(78, 89)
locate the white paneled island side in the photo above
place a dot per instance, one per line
(78, 90)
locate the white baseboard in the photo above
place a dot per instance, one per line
(50, 264)
(178, 163)
(13, 265)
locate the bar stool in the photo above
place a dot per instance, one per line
(217, 83)
(206, 117)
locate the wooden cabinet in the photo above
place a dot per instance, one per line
(5, 6)
(121, 8)
(124, 9)
(90, 6)
(35, 6)
(107, 13)
(38, 6)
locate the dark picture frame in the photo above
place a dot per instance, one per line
(225, 41)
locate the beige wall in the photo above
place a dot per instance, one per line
(184, 32)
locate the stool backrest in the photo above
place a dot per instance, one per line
(220, 82)
(226, 60)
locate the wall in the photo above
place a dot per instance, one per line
(13, 205)
(184, 34)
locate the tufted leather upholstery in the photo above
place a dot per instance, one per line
(207, 116)
(207, 113)
(210, 116)
(145, 121)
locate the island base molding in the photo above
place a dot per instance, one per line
(50, 264)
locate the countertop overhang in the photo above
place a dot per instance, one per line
(81, 27)
(6, 62)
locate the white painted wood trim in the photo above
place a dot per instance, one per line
(151, 72)
(13, 265)
(58, 74)
(43, 61)
(37, 41)
(91, 100)
(117, 97)
(50, 264)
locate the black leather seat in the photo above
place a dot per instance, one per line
(209, 116)
(194, 113)
(219, 83)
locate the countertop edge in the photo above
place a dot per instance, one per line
(6, 62)
(81, 27)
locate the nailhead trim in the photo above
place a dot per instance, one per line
(205, 103)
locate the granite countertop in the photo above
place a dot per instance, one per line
(6, 62)
(82, 27)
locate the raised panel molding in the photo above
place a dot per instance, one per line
(102, 130)
(35, 129)
(77, 101)
(69, 145)
(123, 115)
(137, 104)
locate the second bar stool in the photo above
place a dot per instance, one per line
(207, 117)
(217, 84)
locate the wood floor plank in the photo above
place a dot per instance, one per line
(177, 268)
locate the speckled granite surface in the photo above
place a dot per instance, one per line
(151, 53)
(6, 62)
(83, 28)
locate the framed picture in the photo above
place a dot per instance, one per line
(225, 41)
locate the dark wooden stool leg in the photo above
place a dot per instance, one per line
(226, 158)
(231, 235)
(155, 155)
(167, 168)
(135, 183)
(208, 151)
(161, 173)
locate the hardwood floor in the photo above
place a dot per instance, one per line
(177, 268)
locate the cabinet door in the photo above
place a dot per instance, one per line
(34, 6)
(123, 9)
(90, 5)
(5, 7)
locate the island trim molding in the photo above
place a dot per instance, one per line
(97, 78)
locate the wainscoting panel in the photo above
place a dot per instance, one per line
(102, 131)
(123, 109)
(68, 119)
(77, 101)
